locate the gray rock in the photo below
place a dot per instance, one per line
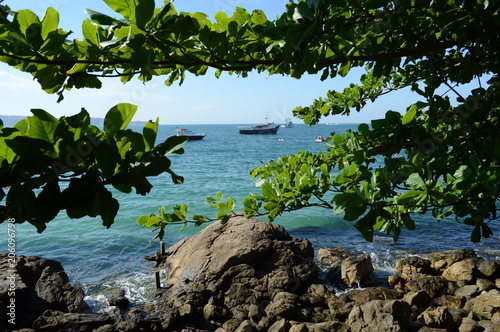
(380, 316)
(39, 284)
(333, 257)
(279, 326)
(53, 320)
(245, 326)
(282, 306)
(467, 291)
(434, 286)
(465, 271)
(484, 285)
(470, 325)
(409, 268)
(487, 304)
(118, 299)
(369, 294)
(238, 264)
(356, 270)
(419, 299)
(438, 317)
(443, 259)
(489, 268)
(340, 310)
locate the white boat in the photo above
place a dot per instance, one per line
(188, 133)
(259, 129)
(288, 123)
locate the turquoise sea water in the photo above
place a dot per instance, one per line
(101, 259)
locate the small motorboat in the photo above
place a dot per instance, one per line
(319, 139)
(262, 128)
(188, 133)
(288, 123)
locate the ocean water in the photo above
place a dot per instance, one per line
(103, 260)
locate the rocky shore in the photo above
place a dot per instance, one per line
(249, 275)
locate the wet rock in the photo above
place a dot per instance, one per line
(118, 299)
(356, 270)
(249, 275)
(333, 257)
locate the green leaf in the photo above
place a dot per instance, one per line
(25, 147)
(409, 197)
(123, 7)
(90, 33)
(259, 17)
(174, 144)
(149, 132)
(415, 181)
(345, 68)
(351, 204)
(30, 27)
(102, 19)
(410, 115)
(476, 234)
(50, 21)
(140, 183)
(42, 125)
(118, 117)
(135, 11)
(154, 167)
(143, 12)
(109, 207)
(365, 227)
(48, 202)
(143, 220)
(268, 191)
(162, 15)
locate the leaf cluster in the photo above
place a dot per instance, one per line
(48, 165)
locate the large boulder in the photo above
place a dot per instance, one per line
(32, 285)
(356, 270)
(227, 271)
(378, 315)
(487, 305)
(346, 269)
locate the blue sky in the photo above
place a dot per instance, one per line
(200, 100)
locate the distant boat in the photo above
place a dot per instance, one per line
(259, 129)
(288, 123)
(319, 139)
(188, 133)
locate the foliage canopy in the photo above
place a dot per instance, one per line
(441, 157)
